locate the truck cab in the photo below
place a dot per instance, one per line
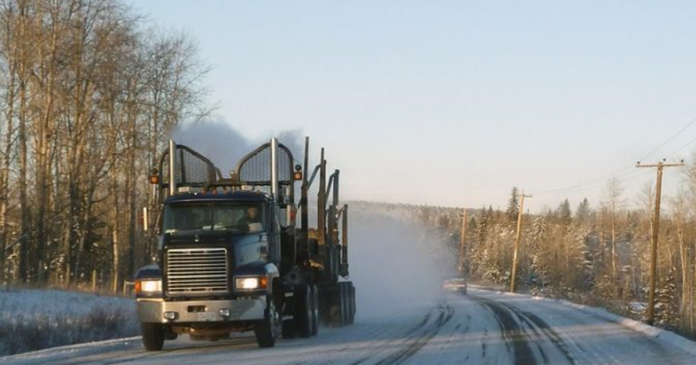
(218, 260)
(246, 222)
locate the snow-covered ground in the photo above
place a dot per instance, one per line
(36, 319)
(404, 317)
(483, 327)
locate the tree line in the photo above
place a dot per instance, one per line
(88, 94)
(593, 253)
(598, 254)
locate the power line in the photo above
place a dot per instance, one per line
(622, 171)
(594, 184)
(670, 139)
(585, 183)
(681, 148)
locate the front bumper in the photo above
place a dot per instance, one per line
(151, 310)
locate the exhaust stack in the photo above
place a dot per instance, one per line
(274, 168)
(172, 167)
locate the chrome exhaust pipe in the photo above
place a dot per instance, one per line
(274, 169)
(172, 167)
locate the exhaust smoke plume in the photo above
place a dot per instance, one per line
(392, 263)
(224, 145)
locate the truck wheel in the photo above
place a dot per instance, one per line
(338, 306)
(267, 330)
(345, 298)
(153, 336)
(315, 309)
(351, 301)
(303, 311)
(288, 328)
(325, 304)
(335, 311)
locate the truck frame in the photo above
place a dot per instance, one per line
(230, 256)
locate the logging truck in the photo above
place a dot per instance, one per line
(231, 256)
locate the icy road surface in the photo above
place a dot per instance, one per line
(481, 328)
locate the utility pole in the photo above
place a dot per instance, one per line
(655, 230)
(517, 241)
(461, 244)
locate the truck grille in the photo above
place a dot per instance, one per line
(197, 271)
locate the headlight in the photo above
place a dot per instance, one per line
(250, 283)
(148, 286)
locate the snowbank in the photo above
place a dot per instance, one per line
(652, 331)
(37, 319)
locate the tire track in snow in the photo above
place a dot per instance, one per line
(521, 337)
(375, 334)
(420, 336)
(513, 334)
(455, 332)
(410, 333)
(484, 345)
(556, 340)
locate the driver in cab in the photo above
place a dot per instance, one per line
(252, 220)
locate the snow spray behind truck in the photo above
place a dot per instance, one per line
(231, 257)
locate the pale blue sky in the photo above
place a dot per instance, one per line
(455, 102)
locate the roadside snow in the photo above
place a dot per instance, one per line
(656, 332)
(58, 302)
(37, 319)
(651, 331)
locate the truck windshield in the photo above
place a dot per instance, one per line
(213, 217)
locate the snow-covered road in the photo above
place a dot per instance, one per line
(482, 328)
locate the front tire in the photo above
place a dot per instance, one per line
(153, 336)
(267, 330)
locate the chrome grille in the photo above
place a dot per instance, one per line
(197, 271)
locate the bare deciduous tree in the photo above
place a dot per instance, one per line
(89, 96)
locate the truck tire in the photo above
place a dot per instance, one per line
(345, 297)
(335, 311)
(325, 303)
(288, 329)
(153, 336)
(315, 309)
(338, 306)
(351, 303)
(303, 311)
(267, 329)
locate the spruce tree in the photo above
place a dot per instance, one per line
(582, 214)
(513, 208)
(563, 212)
